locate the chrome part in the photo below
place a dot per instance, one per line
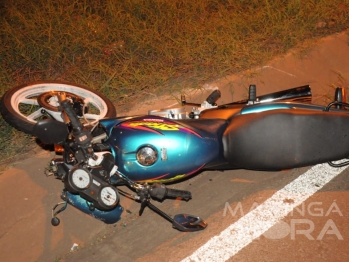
(99, 138)
(29, 96)
(146, 156)
(171, 113)
(98, 158)
(163, 154)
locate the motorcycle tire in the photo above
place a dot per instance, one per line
(20, 108)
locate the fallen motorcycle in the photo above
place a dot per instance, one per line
(99, 153)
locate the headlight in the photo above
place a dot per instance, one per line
(147, 156)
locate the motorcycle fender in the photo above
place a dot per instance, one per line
(108, 217)
(50, 131)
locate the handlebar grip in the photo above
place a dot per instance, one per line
(175, 193)
(72, 115)
(82, 137)
(213, 97)
(252, 93)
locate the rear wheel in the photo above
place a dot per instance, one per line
(24, 105)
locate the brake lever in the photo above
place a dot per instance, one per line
(144, 204)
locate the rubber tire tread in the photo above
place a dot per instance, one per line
(20, 123)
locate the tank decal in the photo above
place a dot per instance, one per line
(156, 179)
(156, 126)
(139, 126)
(194, 171)
(166, 180)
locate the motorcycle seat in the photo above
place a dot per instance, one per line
(206, 127)
(286, 138)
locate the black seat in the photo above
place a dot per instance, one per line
(282, 139)
(206, 127)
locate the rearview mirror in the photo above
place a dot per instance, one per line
(188, 223)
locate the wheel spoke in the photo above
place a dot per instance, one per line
(26, 104)
(55, 115)
(36, 114)
(92, 116)
(29, 101)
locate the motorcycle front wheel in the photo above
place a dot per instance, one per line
(24, 105)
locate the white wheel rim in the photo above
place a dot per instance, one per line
(26, 95)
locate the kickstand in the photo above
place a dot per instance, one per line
(146, 203)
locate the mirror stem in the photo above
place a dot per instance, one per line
(158, 211)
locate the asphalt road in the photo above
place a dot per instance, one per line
(26, 219)
(151, 238)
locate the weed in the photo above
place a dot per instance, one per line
(141, 47)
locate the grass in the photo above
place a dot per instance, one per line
(139, 47)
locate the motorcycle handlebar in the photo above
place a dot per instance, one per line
(213, 97)
(82, 137)
(75, 122)
(175, 193)
(160, 191)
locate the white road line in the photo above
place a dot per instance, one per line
(251, 226)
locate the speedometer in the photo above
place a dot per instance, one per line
(80, 178)
(109, 197)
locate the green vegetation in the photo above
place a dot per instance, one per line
(139, 47)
